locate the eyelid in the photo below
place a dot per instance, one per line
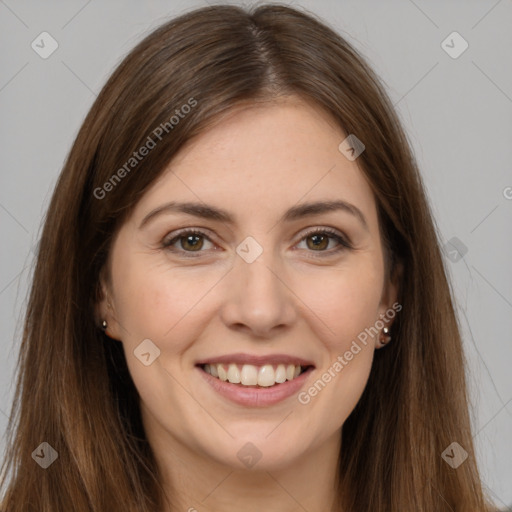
(190, 231)
(169, 241)
(334, 233)
(343, 244)
(343, 241)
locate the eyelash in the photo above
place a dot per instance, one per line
(343, 243)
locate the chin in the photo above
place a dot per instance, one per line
(250, 454)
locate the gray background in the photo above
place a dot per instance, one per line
(457, 113)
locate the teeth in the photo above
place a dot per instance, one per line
(266, 376)
(222, 373)
(281, 374)
(233, 374)
(250, 375)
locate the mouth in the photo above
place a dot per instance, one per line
(255, 381)
(255, 376)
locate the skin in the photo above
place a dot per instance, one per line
(294, 298)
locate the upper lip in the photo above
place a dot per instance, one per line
(256, 360)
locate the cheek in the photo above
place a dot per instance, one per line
(345, 308)
(152, 298)
(164, 305)
(343, 302)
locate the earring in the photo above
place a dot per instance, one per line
(384, 340)
(104, 325)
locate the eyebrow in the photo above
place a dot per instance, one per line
(299, 211)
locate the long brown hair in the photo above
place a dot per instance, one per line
(74, 390)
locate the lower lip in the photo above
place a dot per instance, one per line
(256, 397)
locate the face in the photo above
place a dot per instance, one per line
(248, 277)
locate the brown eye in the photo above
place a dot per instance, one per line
(188, 241)
(318, 242)
(191, 242)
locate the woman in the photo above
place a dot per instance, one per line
(239, 300)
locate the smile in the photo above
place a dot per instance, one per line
(255, 381)
(256, 376)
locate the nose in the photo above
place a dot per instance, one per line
(258, 300)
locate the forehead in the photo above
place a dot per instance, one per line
(263, 159)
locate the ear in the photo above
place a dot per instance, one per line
(104, 309)
(390, 293)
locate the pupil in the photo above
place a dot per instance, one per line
(319, 241)
(189, 241)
